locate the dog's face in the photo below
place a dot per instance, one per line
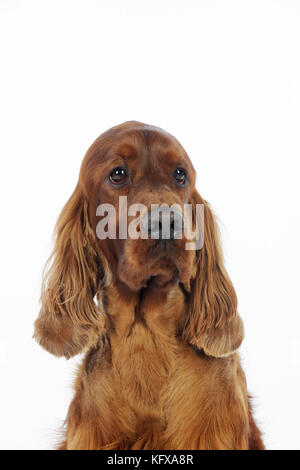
(149, 167)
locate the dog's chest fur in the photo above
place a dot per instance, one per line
(144, 352)
(140, 356)
(142, 371)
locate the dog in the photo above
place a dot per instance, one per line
(158, 321)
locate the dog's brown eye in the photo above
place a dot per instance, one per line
(118, 176)
(180, 176)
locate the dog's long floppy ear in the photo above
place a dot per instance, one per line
(213, 324)
(69, 318)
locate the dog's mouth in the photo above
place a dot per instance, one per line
(160, 267)
(163, 273)
(163, 281)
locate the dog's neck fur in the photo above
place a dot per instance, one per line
(143, 343)
(154, 307)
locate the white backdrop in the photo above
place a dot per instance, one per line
(224, 78)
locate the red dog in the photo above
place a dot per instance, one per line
(161, 369)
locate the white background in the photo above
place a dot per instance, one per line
(224, 78)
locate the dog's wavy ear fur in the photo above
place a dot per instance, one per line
(212, 324)
(69, 317)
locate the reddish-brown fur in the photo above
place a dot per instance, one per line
(161, 369)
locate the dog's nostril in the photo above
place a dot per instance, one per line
(172, 230)
(160, 229)
(157, 229)
(176, 225)
(155, 226)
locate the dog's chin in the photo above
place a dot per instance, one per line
(142, 264)
(162, 274)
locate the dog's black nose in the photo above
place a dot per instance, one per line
(163, 223)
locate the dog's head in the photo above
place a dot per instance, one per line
(131, 176)
(107, 233)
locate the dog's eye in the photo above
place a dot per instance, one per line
(118, 176)
(180, 176)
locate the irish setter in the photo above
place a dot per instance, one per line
(159, 323)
